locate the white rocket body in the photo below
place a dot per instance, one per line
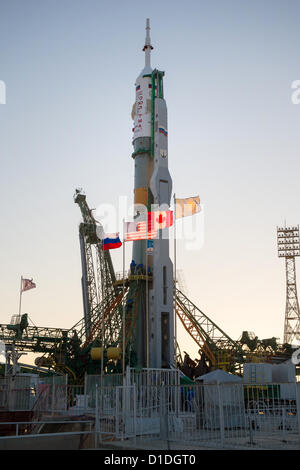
(161, 316)
(142, 111)
(153, 188)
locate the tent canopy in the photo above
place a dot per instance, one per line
(218, 376)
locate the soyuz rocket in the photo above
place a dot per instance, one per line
(153, 186)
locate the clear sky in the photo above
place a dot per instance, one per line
(70, 66)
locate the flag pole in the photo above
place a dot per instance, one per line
(123, 320)
(175, 276)
(102, 322)
(147, 306)
(20, 299)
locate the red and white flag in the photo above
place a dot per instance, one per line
(142, 230)
(137, 231)
(27, 284)
(158, 220)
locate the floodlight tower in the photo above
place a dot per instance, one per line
(289, 248)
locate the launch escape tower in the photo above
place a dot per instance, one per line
(289, 248)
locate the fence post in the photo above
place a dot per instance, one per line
(128, 420)
(122, 428)
(128, 380)
(298, 407)
(251, 442)
(52, 404)
(66, 397)
(221, 414)
(283, 425)
(164, 434)
(116, 392)
(177, 394)
(11, 397)
(85, 391)
(96, 418)
(134, 413)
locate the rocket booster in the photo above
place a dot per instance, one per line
(152, 188)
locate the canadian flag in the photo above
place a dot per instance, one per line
(158, 220)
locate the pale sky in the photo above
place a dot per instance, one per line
(70, 66)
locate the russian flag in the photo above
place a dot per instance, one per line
(111, 241)
(163, 131)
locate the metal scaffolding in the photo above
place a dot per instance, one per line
(289, 248)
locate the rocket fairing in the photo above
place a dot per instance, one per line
(143, 94)
(153, 186)
(142, 108)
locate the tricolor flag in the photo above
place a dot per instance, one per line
(111, 241)
(163, 131)
(188, 206)
(27, 284)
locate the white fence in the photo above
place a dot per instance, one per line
(47, 395)
(219, 415)
(28, 392)
(233, 415)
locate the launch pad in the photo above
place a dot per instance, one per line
(129, 320)
(120, 370)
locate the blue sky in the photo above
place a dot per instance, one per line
(70, 66)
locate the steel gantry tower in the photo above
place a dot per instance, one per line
(289, 248)
(98, 278)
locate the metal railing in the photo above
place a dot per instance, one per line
(28, 392)
(41, 435)
(34, 428)
(153, 405)
(46, 398)
(219, 415)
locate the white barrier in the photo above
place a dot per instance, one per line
(222, 415)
